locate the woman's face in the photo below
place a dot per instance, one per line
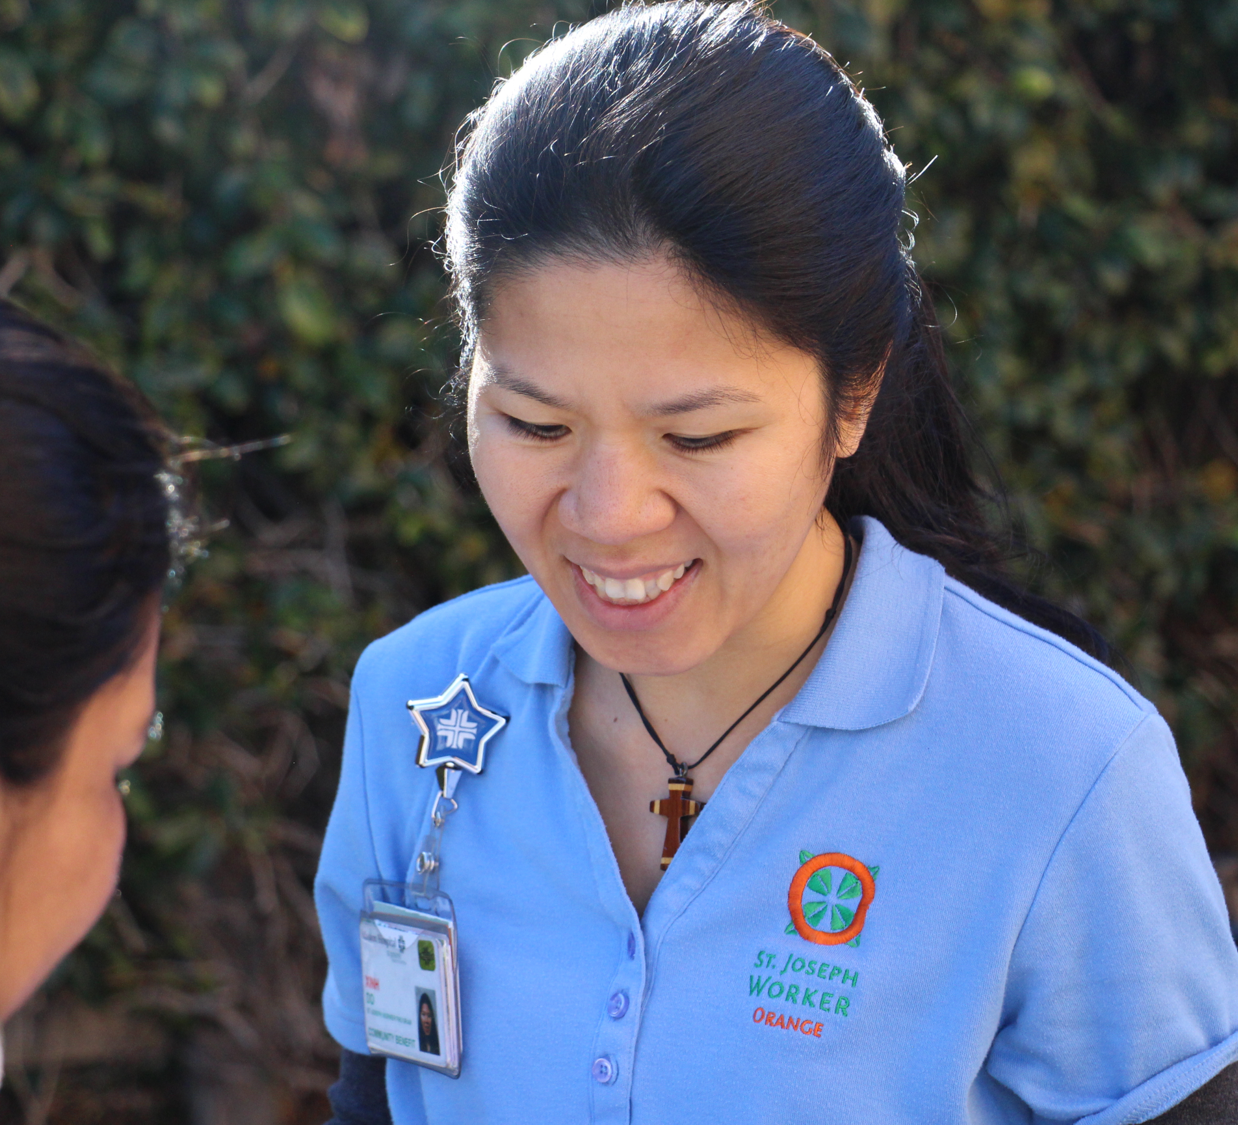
(656, 462)
(427, 1019)
(61, 838)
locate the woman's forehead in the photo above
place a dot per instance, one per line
(568, 330)
(591, 299)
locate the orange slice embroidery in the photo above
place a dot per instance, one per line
(795, 898)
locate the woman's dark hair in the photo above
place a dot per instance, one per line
(427, 1041)
(84, 548)
(713, 134)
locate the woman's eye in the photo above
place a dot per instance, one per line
(534, 431)
(701, 444)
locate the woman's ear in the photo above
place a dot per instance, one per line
(853, 421)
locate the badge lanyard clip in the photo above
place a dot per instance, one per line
(453, 730)
(409, 955)
(428, 857)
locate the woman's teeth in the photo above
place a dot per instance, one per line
(634, 591)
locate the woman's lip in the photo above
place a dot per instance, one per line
(643, 615)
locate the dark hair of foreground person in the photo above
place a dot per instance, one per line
(84, 549)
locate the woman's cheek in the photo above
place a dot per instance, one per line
(782, 492)
(101, 856)
(511, 486)
(491, 468)
(80, 856)
(741, 513)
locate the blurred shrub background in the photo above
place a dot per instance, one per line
(234, 201)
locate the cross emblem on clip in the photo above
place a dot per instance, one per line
(454, 728)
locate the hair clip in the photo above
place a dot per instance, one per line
(203, 450)
(187, 534)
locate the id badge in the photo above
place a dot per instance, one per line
(411, 974)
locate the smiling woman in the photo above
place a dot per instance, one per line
(84, 553)
(709, 407)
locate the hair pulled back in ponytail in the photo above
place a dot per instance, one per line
(712, 134)
(84, 543)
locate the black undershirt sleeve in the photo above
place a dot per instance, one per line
(359, 1097)
(1214, 1103)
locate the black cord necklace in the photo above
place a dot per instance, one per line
(679, 806)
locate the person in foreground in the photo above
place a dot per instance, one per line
(922, 856)
(84, 556)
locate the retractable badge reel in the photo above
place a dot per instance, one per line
(409, 953)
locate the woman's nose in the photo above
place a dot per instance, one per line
(614, 497)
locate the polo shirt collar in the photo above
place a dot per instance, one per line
(877, 662)
(874, 668)
(537, 647)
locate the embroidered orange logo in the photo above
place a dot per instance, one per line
(832, 916)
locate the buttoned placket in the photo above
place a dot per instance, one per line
(613, 1051)
(614, 1045)
(612, 1056)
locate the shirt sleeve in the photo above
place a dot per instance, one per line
(348, 859)
(1122, 994)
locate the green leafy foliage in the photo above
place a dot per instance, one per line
(236, 203)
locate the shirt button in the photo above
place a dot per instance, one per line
(631, 945)
(604, 1070)
(617, 1006)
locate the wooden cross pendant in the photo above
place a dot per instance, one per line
(678, 807)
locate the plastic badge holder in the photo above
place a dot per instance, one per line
(410, 963)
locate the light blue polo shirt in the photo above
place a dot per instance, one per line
(1043, 938)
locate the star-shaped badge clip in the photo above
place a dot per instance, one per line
(454, 727)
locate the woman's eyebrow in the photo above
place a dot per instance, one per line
(498, 377)
(699, 400)
(695, 400)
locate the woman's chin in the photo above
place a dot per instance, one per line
(637, 662)
(652, 652)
